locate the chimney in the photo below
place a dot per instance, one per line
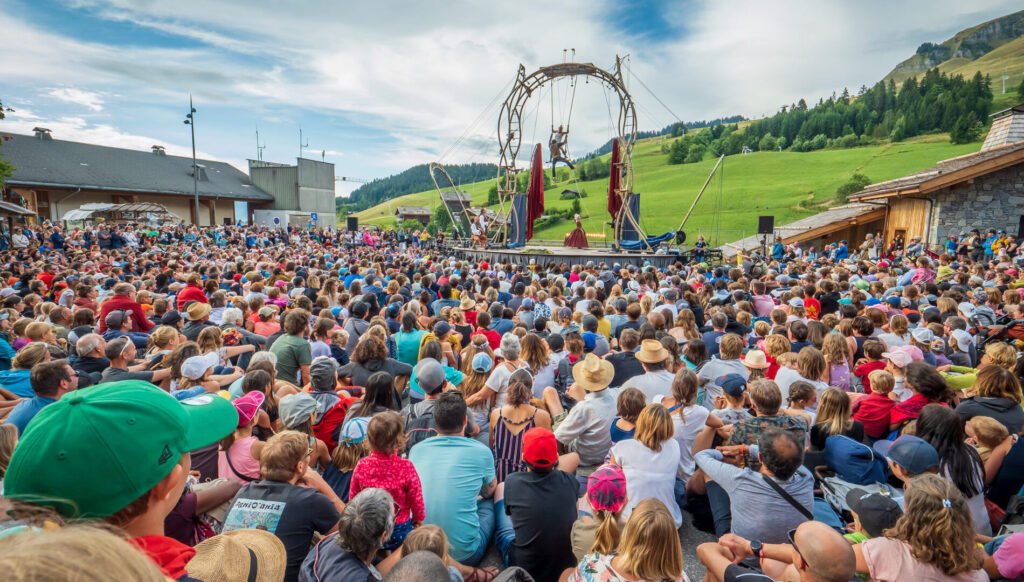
(158, 150)
(201, 173)
(1007, 128)
(42, 133)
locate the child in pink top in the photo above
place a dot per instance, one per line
(386, 470)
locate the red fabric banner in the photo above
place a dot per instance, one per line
(535, 193)
(614, 202)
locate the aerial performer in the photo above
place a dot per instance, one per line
(558, 142)
(577, 239)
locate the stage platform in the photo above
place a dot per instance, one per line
(543, 255)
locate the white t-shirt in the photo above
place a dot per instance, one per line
(497, 382)
(649, 474)
(787, 376)
(693, 420)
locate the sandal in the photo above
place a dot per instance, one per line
(483, 574)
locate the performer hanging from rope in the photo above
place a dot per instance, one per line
(557, 144)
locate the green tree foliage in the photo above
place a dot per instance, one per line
(6, 169)
(966, 129)
(440, 221)
(855, 184)
(1020, 90)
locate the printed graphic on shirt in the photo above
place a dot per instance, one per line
(255, 514)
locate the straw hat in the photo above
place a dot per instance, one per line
(652, 352)
(593, 374)
(232, 555)
(198, 311)
(467, 303)
(755, 359)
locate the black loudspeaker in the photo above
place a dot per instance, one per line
(765, 225)
(352, 223)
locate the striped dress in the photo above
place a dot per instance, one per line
(508, 447)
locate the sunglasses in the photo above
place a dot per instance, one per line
(791, 535)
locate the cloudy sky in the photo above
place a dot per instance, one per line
(379, 86)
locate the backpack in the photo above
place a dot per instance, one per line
(853, 461)
(835, 489)
(419, 428)
(328, 428)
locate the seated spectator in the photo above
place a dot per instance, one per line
(586, 429)
(50, 381)
(596, 529)
(810, 368)
(239, 455)
(429, 538)
(871, 362)
(278, 503)
(765, 401)
(85, 431)
(348, 552)
(874, 410)
(926, 386)
(908, 456)
(689, 419)
(18, 380)
(649, 550)
(455, 471)
(624, 362)
(89, 360)
(536, 509)
(121, 353)
(650, 461)
(628, 407)
(656, 379)
(833, 418)
(83, 552)
(728, 362)
(749, 503)
(996, 394)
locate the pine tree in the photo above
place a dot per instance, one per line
(1020, 90)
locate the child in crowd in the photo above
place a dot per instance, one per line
(872, 361)
(430, 538)
(896, 364)
(960, 342)
(837, 359)
(630, 403)
(351, 448)
(339, 339)
(596, 530)
(386, 470)
(775, 346)
(297, 412)
(802, 396)
(731, 406)
(873, 513)
(873, 410)
(985, 434)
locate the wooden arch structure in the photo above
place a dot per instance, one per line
(510, 136)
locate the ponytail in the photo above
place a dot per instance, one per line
(606, 540)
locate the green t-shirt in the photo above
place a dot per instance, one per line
(292, 352)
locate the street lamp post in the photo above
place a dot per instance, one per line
(190, 120)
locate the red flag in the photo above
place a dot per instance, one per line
(535, 193)
(614, 202)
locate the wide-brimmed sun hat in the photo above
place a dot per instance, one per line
(755, 359)
(652, 352)
(593, 374)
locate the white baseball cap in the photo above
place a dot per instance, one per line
(195, 367)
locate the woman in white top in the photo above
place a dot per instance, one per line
(688, 418)
(650, 460)
(497, 382)
(810, 367)
(896, 333)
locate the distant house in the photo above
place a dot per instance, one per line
(418, 213)
(981, 190)
(456, 201)
(53, 177)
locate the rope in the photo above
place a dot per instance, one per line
(648, 89)
(479, 119)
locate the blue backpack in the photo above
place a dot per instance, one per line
(854, 461)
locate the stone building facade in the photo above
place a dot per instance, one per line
(993, 200)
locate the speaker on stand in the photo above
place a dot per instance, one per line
(352, 223)
(765, 227)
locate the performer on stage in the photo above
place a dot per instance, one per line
(577, 239)
(557, 145)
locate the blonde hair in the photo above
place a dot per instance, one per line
(834, 411)
(650, 547)
(835, 349)
(210, 339)
(775, 345)
(76, 552)
(346, 457)
(36, 330)
(654, 426)
(8, 440)
(810, 364)
(162, 336)
(881, 381)
(30, 355)
(937, 526)
(282, 453)
(988, 431)
(1002, 355)
(427, 538)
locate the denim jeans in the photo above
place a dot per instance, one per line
(485, 515)
(720, 508)
(504, 533)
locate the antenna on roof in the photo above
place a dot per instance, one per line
(301, 143)
(259, 147)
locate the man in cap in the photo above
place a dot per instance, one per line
(656, 379)
(119, 324)
(536, 509)
(430, 376)
(198, 319)
(80, 457)
(908, 457)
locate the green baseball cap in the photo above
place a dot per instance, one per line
(94, 451)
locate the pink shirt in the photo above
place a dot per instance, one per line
(241, 459)
(395, 475)
(890, 560)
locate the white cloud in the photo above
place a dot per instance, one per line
(88, 99)
(418, 74)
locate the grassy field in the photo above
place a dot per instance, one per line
(788, 185)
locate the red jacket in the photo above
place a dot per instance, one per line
(122, 303)
(191, 293)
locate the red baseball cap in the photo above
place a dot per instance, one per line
(540, 448)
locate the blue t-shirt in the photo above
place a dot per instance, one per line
(453, 470)
(407, 346)
(27, 410)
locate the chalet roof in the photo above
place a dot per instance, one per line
(413, 210)
(453, 196)
(814, 226)
(947, 173)
(68, 164)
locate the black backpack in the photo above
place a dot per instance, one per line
(419, 428)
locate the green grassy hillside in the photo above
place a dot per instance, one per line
(788, 185)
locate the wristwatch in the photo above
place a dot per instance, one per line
(756, 548)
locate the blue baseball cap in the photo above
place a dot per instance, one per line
(733, 384)
(872, 301)
(914, 454)
(482, 363)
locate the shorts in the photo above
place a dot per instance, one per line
(398, 535)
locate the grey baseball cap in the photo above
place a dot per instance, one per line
(429, 375)
(323, 373)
